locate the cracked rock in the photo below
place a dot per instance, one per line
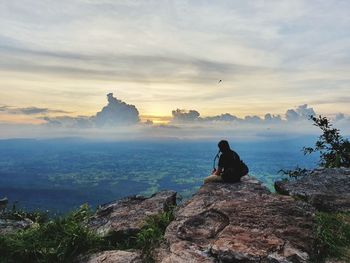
(241, 222)
(127, 216)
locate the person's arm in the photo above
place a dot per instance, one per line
(220, 165)
(217, 171)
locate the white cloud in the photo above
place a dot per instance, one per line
(29, 110)
(185, 116)
(225, 117)
(253, 119)
(272, 118)
(302, 112)
(117, 113)
(211, 127)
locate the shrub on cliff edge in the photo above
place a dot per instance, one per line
(65, 238)
(334, 149)
(58, 240)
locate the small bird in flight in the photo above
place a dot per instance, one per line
(220, 81)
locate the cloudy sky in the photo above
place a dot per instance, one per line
(59, 59)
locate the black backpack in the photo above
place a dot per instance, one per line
(235, 174)
(243, 168)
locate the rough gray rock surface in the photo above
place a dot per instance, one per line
(8, 226)
(240, 222)
(127, 216)
(326, 189)
(113, 256)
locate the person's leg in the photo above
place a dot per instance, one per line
(213, 178)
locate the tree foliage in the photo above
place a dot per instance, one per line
(334, 149)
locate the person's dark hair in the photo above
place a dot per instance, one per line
(224, 146)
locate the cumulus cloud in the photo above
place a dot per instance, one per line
(186, 124)
(340, 116)
(272, 118)
(185, 116)
(302, 112)
(226, 117)
(342, 121)
(252, 119)
(116, 113)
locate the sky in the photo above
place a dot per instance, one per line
(59, 60)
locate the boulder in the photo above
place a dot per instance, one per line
(241, 222)
(126, 217)
(327, 189)
(113, 256)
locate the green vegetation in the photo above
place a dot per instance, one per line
(151, 235)
(65, 238)
(332, 229)
(334, 149)
(333, 233)
(57, 240)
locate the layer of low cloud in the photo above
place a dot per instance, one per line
(300, 113)
(29, 110)
(120, 120)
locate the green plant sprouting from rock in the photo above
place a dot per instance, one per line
(333, 234)
(149, 237)
(152, 233)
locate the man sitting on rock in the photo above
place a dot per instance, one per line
(230, 167)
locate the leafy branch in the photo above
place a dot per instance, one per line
(333, 148)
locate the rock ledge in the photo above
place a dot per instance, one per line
(327, 189)
(127, 216)
(240, 222)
